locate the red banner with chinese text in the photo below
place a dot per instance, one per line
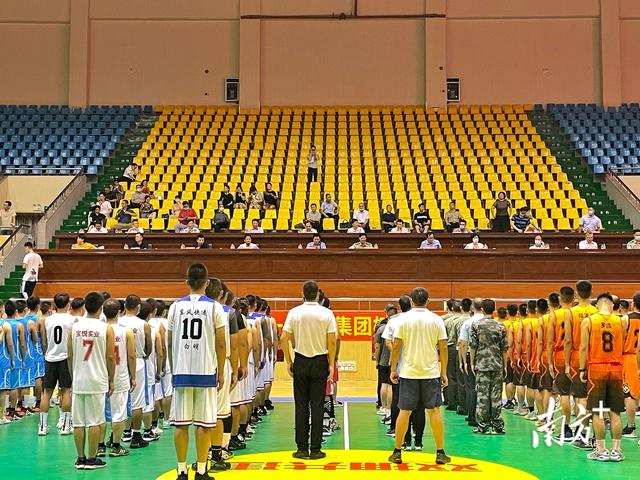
(352, 325)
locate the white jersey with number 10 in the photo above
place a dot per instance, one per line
(192, 321)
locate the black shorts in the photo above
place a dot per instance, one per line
(605, 385)
(546, 380)
(384, 374)
(579, 389)
(509, 377)
(56, 373)
(526, 377)
(534, 381)
(423, 393)
(517, 376)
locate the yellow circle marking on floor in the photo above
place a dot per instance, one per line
(358, 464)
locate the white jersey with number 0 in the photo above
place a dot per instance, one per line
(89, 343)
(121, 381)
(192, 322)
(57, 328)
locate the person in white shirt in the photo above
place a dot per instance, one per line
(90, 345)
(590, 222)
(538, 244)
(399, 228)
(32, 263)
(475, 244)
(462, 228)
(312, 165)
(422, 337)
(255, 227)
(247, 244)
(311, 330)
(97, 227)
(308, 228)
(135, 227)
(190, 228)
(105, 205)
(430, 242)
(316, 243)
(362, 216)
(355, 227)
(54, 333)
(588, 243)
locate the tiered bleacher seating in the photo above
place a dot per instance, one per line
(605, 138)
(401, 156)
(55, 140)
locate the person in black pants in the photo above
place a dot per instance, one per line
(312, 329)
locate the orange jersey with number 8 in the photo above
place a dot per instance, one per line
(606, 339)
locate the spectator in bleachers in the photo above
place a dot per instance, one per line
(329, 209)
(312, 165)
(271, 198)
(388, 219)
(521, 220)
(124, 216)
(314, 217)
(221, 220)
(186, 215)
(452, 218)
(430, 242)
(119, 191)
(362, 243)
(130, 174)
(82, 244)
(399, 228)
(138, 243)
(247, 244)
(256, 199)
(538, 244)
(308, 228)
(226, 198)
(476, 244)
(362, 215)
(421, 219)
(176, 208)
(135, 227)
(355, 227)
(590, 222)
(111, 195)
(147, 210)
(501, 213)
(200, 243)
(316, 243)
(240, 201)
(588, 243)
(105, 205)
(145, 187)
(462, 228)
(255, 227)
(635, 243)
(97, 227)
(137, 197)
(96, 216)
(7, 217)
(191, 228)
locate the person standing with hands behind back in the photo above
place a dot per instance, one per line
(312, 165)
(421, 336)
(501, 213)
(311, 328)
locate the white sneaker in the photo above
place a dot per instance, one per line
(42, 431)
(166, 424)
(4, 421)
(616, 456)
(531, 416)
(381, 411)
(599, 456)
(521, 411)
(60, 422)
(157, 431)
(66, 431)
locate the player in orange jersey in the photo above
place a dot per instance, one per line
(601, 344)
(530, 358)
(518, 368)
(572, 348)
(631, 386)
(511, 326)
(545, 383)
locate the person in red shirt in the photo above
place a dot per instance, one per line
(185, 216)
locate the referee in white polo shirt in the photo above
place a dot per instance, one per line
(311, 329)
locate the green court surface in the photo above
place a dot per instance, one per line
(25, 455)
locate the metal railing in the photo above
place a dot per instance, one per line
(613, 177)
(10, 251)
(14, 170)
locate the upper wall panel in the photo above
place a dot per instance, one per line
(164, 9)
(49, 11)
(522, 8)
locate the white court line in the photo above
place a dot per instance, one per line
(345, 425)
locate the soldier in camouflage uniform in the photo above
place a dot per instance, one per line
(488, 342)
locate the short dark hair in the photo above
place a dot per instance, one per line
(214, 288)
(10, 310)
(106, 295)
(502, 313)
(197, 276)
(363, 235)
(9, 202)
(542, 306)
(606, 295)
(200, 236)
(61, 300)
(251, 300)
(488, 306)
(33, 302)
(624, 304)
(247, 235)
(567, 294)
(160, 307)
(110, 308)
(122, 303)
(465, 304)
(512, 309)
(82, 236)
(419, 296)
(28, 244)
(45, 307)
(532, 306)
(636, 300)
(310, 290)
(145, 310)
(451, 304)
(21, 306)
(93, 301)
(132, 302)
(554, 299)
(77, 303)
(584, 289)
(522, 309)
(404, 302)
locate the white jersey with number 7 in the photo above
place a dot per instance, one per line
(89, 343)
(192, 321)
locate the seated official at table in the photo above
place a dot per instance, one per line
(138, 243)
(200, 243)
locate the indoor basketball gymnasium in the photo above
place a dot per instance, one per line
(144, 146)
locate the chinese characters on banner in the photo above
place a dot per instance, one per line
(352, 325)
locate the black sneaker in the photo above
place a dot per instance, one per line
(269, 406)
(263, 411)
(126, 436)
(149, 436)
(629, 432)
(396, 456)
(442, 458)
(203, 476)
(498, 431)
(236, 444)
(582, 445)
(118, 451)
(94, 464)
(480, 431)
(317, 455)
(301, 454)
(183, 476)
(509, 405)
(461, 411)
(80, 463)
(102, 450)
(219, 466)
(391, 432)
(406, 446)
(138, 442)
(418, 447)
(472, 423)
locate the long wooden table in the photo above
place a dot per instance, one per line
(501, 241)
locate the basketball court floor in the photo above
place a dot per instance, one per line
(358, 451)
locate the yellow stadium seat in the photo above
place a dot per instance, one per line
(235, 224)
(157, 224)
